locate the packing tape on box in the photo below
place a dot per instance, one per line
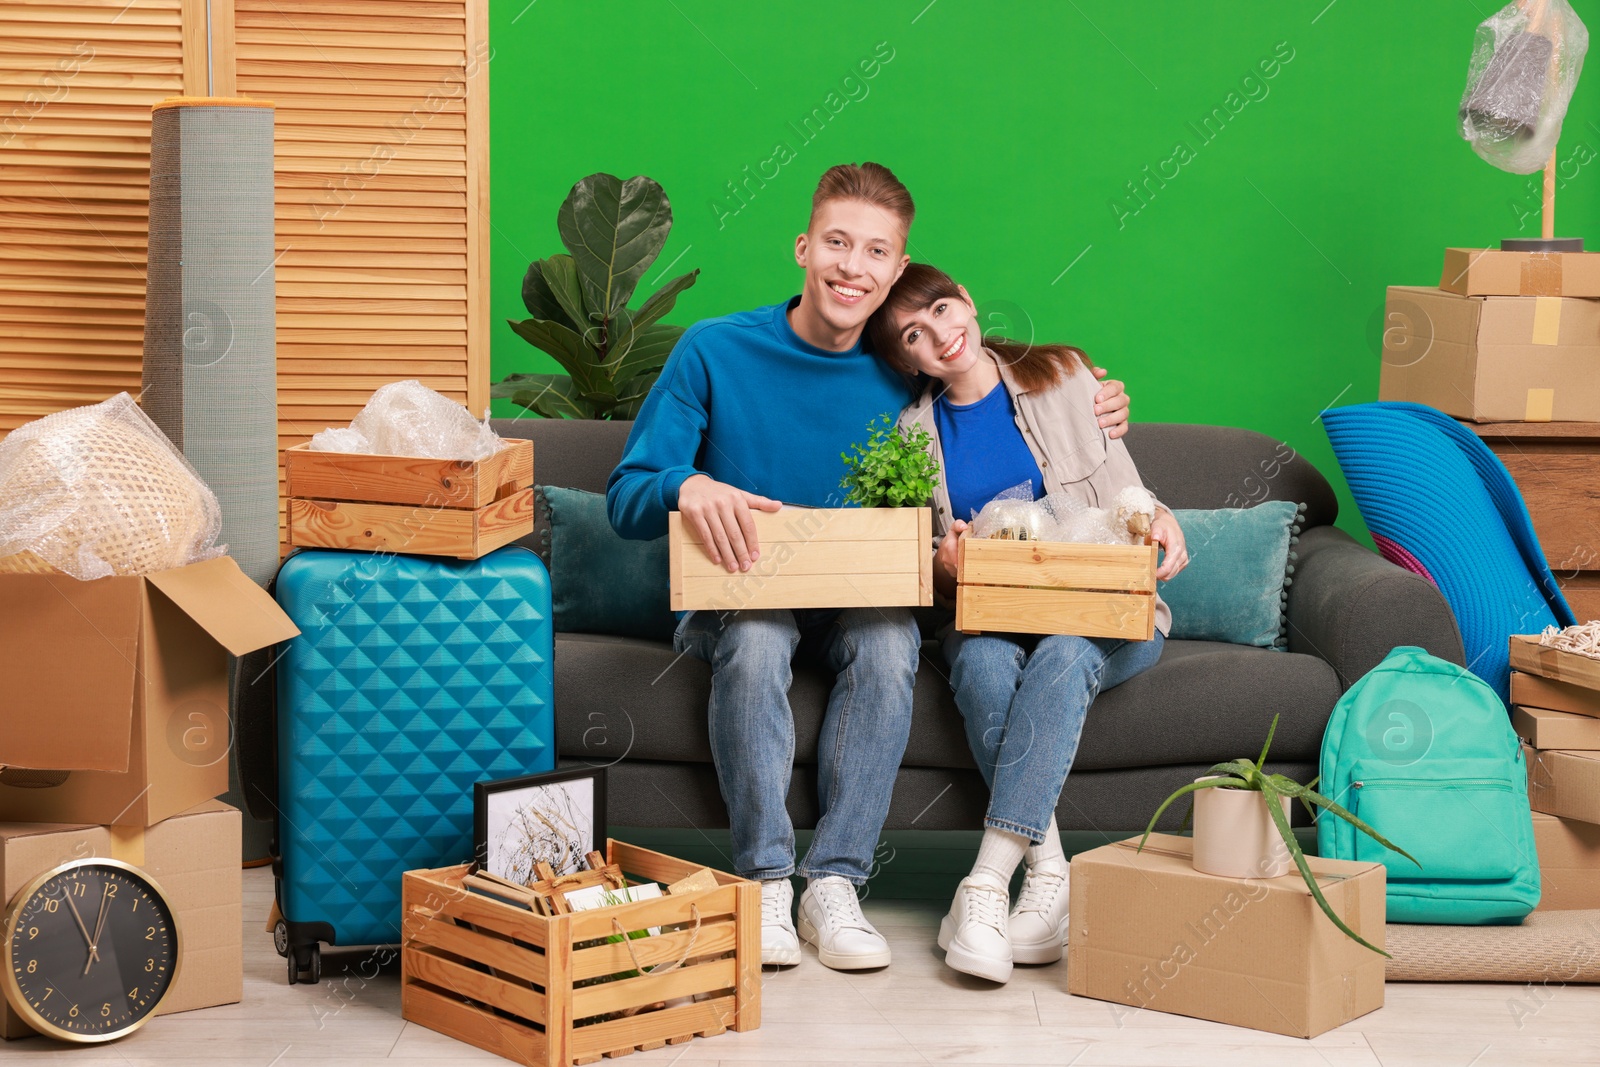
(127, 844)
(1541, 274)
(1546, 320)
(1540, 405)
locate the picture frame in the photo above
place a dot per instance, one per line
(558, 817)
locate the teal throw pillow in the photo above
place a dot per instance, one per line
(601, 583)
(1235, 586)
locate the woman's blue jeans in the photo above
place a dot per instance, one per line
(874, 652)
(1024, 700)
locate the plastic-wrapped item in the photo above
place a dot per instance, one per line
(409, 419)
(1525, 63)
(99, 491)
(1015, 516)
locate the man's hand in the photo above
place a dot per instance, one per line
(719, 514)
(1111, 405)
(1165, 532)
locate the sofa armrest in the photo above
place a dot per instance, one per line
(1350, 606)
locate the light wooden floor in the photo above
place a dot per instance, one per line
(916, 1012)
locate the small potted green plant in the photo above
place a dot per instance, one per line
(1275, 791)
(894, 469)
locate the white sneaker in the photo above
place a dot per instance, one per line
(1039, 921)
(779, 946)
(973, 935)
(831, 919)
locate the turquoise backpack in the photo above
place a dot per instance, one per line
(1424, 751)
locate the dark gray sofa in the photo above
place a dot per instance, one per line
(637, 707)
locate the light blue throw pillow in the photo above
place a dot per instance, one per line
(1235, 587)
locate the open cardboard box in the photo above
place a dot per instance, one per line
(117, 702)
(193, 856)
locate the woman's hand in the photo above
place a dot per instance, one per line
(1111, 405)
(945, 560)
(1165, 532)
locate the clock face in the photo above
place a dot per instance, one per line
(90, 950)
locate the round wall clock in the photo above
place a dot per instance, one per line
(91, 948)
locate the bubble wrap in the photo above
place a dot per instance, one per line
(1015, 516)
(409, 419)
(99, 491)
(1525, 63)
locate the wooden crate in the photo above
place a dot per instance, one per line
(1050, 587)
(813, 558)
(506, 980)
(429, 507)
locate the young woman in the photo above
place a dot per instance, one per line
(1000, 414)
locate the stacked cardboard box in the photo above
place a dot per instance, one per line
(114, 742)
(1505, 337)
(1555, 698)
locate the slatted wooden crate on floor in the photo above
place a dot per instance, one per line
(428, 507)
(520, 985)
(1051, 587)
(812, 558)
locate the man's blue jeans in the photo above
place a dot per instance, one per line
(1024, 700)
(874, 653)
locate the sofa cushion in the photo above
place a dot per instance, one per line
(599, 582)
(1203, 703)
(1236, 584)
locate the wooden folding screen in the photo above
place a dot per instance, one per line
(76, 84)
(382, 190)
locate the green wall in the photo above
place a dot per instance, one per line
(1244, 288)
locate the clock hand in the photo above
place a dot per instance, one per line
(99, 925)
(93, 952)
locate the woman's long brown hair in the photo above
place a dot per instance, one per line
(1035, 366)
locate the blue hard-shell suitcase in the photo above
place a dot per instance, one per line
(412, 678)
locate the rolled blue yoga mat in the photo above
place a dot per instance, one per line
(1438, 501)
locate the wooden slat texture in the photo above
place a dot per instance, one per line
(76, 84)
(1003, 609)
(417, 529)
(1120, 568)
(377, 227)
(811, 558)
(408, 480)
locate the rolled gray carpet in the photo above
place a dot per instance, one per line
(210, 334)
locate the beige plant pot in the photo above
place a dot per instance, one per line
(1234, 836)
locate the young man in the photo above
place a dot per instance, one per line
(750, 410)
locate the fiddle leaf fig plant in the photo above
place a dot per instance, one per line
(1248, 774)
(612, 354)
(894, 469)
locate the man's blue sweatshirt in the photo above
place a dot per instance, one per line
(743, 399)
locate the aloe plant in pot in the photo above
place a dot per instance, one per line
(612, 355)
(1274, 790)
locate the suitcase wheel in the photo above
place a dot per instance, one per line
(307, 960)
(280, 938)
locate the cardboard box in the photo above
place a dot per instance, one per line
(1543, 728)
(193, 856)
(1491, 272)
(1564, 782)
(1150, 931)
(1569, 862)
(812, 558)
(1557, 665)
(1495, 358)
(1532, 691)
(116, 709)
(1048, 587)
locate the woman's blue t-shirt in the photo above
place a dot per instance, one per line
(984, 453)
